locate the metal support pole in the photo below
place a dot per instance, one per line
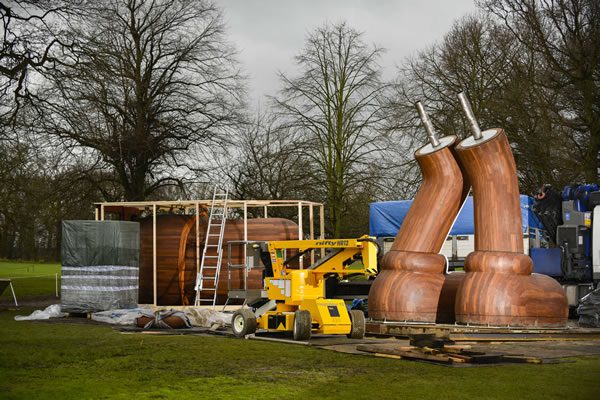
(466, 105)
(266, 212)
(431, 133)
(454, 247)
(598, 164)
(154, 278)
(13, 293)
(56, 283)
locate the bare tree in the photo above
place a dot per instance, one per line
(271, 162)
(335, 104)
(482, 57)
(155, 81)
(33, 42)
(36, 193)
(564, 34)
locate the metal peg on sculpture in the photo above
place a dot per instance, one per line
(466, 105)
(431, 133)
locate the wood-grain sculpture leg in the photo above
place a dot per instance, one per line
(499, 287)
(411, 279)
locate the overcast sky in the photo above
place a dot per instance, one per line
(269, 33)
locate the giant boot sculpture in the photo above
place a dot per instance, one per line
(411, 278)
(499, 287)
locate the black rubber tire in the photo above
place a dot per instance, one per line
(243, 322)
(302, 325)
(357, 320)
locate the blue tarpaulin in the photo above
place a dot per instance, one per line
(385, 217)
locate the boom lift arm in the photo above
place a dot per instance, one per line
(295, 298)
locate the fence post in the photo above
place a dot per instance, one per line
(56, 283)
(12, 289)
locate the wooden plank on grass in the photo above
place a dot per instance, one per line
(412, 354)
(455, 348)
(523, 359)
(460, 358)
(382, 355)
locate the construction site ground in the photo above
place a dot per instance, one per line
(79, 358)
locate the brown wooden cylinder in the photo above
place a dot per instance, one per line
(437, 202)
(499, 287)
(411, 278)
(176, 255)
(491, 168)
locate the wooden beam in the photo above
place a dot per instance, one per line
(300, 228)
(404, 352)
(197, 238)
(300, 232)
(311, 221)
(322, 226)
(245, 247)
(245, 223)
(154, 277)
(208, 202)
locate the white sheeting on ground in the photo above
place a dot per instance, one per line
(199, 317)
(52, 311)
(118, 317)
(206, 317)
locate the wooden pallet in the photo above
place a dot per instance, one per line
(448, 354)
(480, 333)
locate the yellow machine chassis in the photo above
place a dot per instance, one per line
(304, 289)
(329, 316)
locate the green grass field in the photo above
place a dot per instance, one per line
(77, 360)
(65, 360)
(29, 279)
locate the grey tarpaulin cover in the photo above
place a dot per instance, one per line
(100, 265)
(589, 309)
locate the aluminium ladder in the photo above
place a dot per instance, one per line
(207, 281)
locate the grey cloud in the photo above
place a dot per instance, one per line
(269, 33)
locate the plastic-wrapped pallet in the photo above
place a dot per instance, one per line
(100, 265)
(589, 309)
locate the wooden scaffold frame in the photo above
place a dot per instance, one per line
(189, 206)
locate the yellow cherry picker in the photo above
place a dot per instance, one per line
(293, 298)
